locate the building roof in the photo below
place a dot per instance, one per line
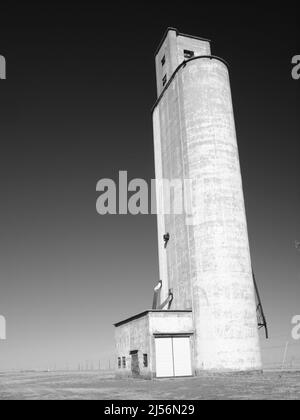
(143, 314)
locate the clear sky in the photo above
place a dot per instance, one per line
(75, 108)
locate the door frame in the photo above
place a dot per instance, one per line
(178, 335)
(135, 353)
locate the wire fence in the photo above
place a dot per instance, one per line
(279, 353)
(284, 355)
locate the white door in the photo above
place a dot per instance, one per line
(182, 356)
(173, 357)
(164, 357)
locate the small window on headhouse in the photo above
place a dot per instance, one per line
(145, 356)
(124, 362)
(165, 81)
(119, 363)
(163, 60)
(188, 54)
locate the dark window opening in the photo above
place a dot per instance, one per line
(119, 363)
(165, 81)
(163, 60)
(189, 54)
(145, 357)
(124, 362)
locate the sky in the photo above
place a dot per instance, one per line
(76, 108)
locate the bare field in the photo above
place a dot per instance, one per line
(103, 386)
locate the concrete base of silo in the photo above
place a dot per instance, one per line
(161, 344)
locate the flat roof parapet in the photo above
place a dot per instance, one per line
(151, 311)
(179, 34)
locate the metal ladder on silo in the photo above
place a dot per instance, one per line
(261, 319)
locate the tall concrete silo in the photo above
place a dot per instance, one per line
(206, 263)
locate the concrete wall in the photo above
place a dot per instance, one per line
(170, 323)
(223, 290)
(172, 162)
(133, 336)
(161, 223)
(174, 263)
(172, 49)
(208, 263)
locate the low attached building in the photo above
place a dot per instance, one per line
(155, 344)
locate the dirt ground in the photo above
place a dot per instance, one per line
(102, 386)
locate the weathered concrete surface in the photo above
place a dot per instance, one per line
(170, 323)
(133, 336)
(207, 263)
(223, 291)
(172, 50)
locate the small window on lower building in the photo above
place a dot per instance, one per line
(124, 362)
(119, 363)
(188, 54)
(145, 357)
(165, 81)
(163, 60)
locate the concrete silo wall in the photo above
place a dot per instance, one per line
(172, 165)
(208, 264)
